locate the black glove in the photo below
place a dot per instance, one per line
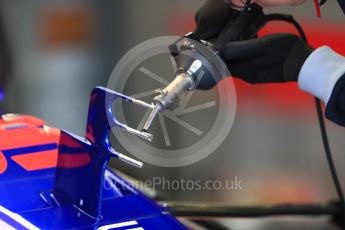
(219, 24)
(272, 58)
(211, 19)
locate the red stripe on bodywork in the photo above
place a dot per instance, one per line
(36, 161)
(28, 136)
(3, 163)
(18, 118)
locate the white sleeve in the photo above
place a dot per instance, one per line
(320, 72)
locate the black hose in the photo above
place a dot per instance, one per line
(185, 209)
(209, 224)
(328, 152)
(331, 161)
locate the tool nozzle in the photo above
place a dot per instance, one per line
(157, 108)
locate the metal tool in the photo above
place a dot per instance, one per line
(183, 82)
(193, 58)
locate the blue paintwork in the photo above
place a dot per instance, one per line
(80, 193)
(29, 149)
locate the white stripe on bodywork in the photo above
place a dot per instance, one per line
(18, 218)
(4, 225)
(118, 225)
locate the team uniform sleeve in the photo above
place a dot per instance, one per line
(335, 109)
(323, 75)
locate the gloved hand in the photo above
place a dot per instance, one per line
(219, 24)
(272, 58)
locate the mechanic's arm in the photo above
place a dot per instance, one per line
(320, 72)
(287, 58)
(282, 58)
(323, 75)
